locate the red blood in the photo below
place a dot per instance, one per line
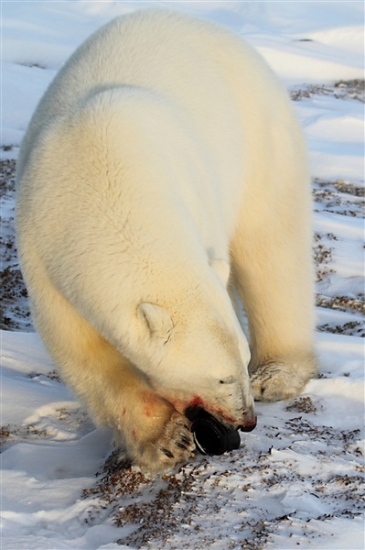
(196, 402)
(151, 402)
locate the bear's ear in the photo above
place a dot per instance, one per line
(222, 269)
(158, 319)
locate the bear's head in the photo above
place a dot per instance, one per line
(196, 356)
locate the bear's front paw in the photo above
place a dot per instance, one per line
(275, 382)
(174, 445)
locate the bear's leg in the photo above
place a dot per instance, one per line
(153, 433)
(272, 270)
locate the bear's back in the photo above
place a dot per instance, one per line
(204, 69)
(164, 51)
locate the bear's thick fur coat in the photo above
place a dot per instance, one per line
(162, 173)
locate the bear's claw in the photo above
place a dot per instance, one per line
(173, 446)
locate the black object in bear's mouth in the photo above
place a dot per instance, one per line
(210, 436)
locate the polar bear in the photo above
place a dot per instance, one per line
(164, 172)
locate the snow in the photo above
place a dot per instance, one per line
(298, 479)
(335, 131)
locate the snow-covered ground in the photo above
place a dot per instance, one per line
(298, 480)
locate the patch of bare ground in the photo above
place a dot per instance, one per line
(184, 501)
(14, 309)
(339, 197)
(324, 263)
(13, 433)
(234, 492)
(352, 328)
(342, 89)
(322, 255)
(341, 303)
(69, 419)
(52, 375)
(302, 404)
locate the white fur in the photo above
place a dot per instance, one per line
(163, 165)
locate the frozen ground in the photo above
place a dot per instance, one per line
(298, 480)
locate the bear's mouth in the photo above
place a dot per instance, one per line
(211, 436)
(197, 404)
(196, 410)
(245, 420)
(247, 425)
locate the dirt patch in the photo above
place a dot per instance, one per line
(352, 328)
(302, 404)
(14, 309)
(322, 255)
(342, 89)
(339, 197)
(341, 303)
(13, 433)
(68, 420)
(176, 511)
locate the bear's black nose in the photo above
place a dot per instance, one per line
(249, 426)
